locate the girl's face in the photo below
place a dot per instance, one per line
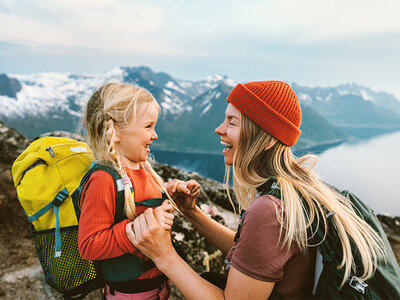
(229, 131)
(134, 142)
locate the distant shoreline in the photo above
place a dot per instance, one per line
(317, 149)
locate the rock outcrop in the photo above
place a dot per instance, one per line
(12, 143)
(9, 86)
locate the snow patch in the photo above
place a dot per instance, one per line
(305, 98)
(366, 96)
(173, 86)
(206, 109)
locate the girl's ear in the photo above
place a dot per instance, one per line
(271, 143)
(117, 136)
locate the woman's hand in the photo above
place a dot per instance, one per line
(184, 193)
(147, 235)
(163, 215)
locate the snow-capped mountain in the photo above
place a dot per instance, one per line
(37, 103)
(312, 95)
(357, 110)
(42, 94)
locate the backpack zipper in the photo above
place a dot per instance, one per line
(52, 154)
(51, 151)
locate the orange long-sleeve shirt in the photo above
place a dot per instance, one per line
(99, 237)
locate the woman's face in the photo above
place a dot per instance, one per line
(229, 131)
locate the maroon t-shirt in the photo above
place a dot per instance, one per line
(258, 253)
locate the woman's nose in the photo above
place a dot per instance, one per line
(219, 130)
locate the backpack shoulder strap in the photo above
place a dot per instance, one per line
(120, 188)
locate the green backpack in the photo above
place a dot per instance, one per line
(384, 284)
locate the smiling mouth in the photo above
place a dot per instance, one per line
(227, 145)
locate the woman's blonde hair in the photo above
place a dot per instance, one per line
(301, 187)
(113, 107)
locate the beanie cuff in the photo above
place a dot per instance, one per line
(263, 115)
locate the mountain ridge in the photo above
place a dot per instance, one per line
(54, 101)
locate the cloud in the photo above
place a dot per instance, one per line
(191, 28)
(325, 19)
(106, 24)
(320, 42)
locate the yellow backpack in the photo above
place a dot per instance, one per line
(47, 176)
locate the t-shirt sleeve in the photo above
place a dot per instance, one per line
(258, 252)
(99, 237)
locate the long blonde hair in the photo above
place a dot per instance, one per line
(301, 186)
(113, 107)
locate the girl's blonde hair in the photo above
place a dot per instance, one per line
(301, 187)
(116, 106)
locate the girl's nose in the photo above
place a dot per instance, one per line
(155, 136)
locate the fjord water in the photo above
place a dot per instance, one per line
(368, 168)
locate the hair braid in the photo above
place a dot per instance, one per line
(129, 203)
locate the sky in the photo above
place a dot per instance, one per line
(312, 43)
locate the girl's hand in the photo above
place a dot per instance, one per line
(184, 193)
(146, 234)
(163, 215)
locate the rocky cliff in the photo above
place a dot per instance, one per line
(20, 274)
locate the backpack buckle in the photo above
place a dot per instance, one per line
(227, 264)
(60, 197)
(358, 284)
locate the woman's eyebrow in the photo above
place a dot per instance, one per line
(230, 117)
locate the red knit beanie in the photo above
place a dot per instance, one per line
(272, 105)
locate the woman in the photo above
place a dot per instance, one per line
(273, 253)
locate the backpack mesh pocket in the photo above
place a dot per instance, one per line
(69, 272)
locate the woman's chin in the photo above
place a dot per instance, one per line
(228, 162)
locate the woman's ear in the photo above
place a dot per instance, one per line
(271, 143)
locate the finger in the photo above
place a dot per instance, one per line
(169, 222)
(170, 187)
(195, 194)
(137, 229)
(150, 219)
(173, 185)
(166, 226)
(165, 222)
(183, 188)
(165, 206)
(130, 233)
(169, 216)
(194, 188)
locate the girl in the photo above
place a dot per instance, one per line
(120, 121)
(273, 252)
